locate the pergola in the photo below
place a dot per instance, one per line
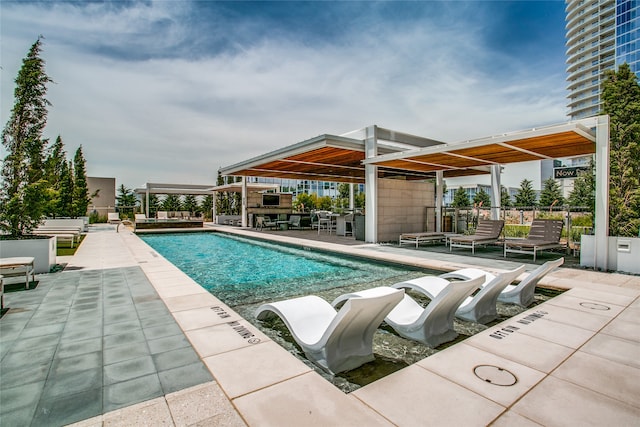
(157, 188)
(377, 153)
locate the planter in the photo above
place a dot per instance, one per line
(623, 253)
(43, 250)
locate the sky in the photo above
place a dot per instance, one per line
(170, 91)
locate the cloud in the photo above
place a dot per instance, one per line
(164, 92)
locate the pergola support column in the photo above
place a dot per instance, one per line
(244, 201)
(371, 186)
(439, 188)
(496, 192)
(602, 194)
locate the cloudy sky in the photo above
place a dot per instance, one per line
(169, 91)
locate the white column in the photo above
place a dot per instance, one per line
(214, 207)
(244, 201)
(352, 198)
(496, 192)
(371, 187)
(146, 205)
(602, 194)
(439, 188)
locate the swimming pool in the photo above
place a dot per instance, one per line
(241, 271)
(244, 273)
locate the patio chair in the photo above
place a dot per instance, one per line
(349, 224)
(113, 218)
(433, 324)
(544, 234)
(263, 222)
(488, 231)
(140, 217)
(336, 341)
(294, 221)
(163, 215)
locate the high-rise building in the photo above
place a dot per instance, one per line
(601, 35)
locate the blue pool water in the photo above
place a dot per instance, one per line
(243, 271)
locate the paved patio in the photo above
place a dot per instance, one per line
(122, 337)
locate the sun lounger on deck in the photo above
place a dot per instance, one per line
(544, 234)
(488, 231)
(417, 238)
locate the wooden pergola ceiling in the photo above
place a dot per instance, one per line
(323, 158)
(474, 157)
(340, 159)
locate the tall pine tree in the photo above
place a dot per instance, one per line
(81, 197)
(526, 196)
(23, 184)
(621, 96)
(551, 194)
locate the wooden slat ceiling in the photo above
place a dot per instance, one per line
(473, 160)
(326, 161)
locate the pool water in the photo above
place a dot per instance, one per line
(244, 273)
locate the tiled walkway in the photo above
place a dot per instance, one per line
(84, 343)
(574, 359)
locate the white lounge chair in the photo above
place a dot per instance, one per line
(433, 324)
(481, 307)
(521, 294)
(335, 341)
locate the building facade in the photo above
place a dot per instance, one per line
(600, 35)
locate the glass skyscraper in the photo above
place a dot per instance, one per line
(601, 35)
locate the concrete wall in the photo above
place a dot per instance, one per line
(105, 201)
(402, 208)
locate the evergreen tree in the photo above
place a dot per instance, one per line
(482, 197)
(505, 198)
(584, 189)
(23, 185)
(126, 199)
(526, 196)
(621, 100)
(191, 204)
(551, 194)
(154, 204)
(65, 196)
(81, 197)
(460, 199)
(54, 163)
(171, 203)
(206, 206)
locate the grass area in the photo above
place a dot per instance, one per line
(65, 249)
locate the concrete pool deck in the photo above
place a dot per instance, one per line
(573, 360)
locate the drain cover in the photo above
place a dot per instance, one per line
(595, 306)
(495, 375)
